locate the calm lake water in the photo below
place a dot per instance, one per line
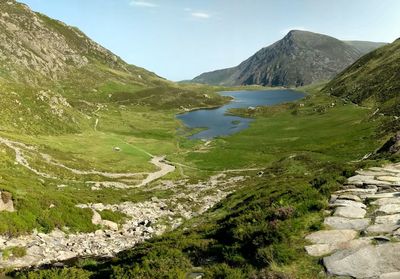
(217, 123)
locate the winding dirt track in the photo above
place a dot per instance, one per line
(164, 167)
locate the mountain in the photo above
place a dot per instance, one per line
(300, 58)
(35, 48)
(58, 77)
(372, 80)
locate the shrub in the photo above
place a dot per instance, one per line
(65, 273)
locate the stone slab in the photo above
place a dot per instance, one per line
(369, 261)
(331, 236)
(341, 223)
(340, 202)
(319, 250)
(393, 219)
(382, 228)
(350, 212)
(389, 209)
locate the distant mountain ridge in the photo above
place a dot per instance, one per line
(300, 58)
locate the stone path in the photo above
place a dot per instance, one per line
(361, 238)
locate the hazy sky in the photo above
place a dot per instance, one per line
(179, 39)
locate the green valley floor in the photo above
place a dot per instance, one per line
(235, 207)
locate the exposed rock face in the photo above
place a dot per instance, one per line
(6, 203)
(298, 59)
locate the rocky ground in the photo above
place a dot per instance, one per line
(145, 220)
(361, 238)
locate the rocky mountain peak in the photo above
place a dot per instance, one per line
(300, 58)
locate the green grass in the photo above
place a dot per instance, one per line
(373, 80)
(279, 132)
(113, 216)
(306, 149)
(306, 152)
(16, 252)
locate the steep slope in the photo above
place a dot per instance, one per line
(72, 116)
(372, 80)
(298, 59)
(35, 48)
(58, 78)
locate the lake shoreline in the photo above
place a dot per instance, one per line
(219, 122)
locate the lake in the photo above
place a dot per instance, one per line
(217, 123)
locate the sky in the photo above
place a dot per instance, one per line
(180, 39)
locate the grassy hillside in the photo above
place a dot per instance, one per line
(57, 77)
(374, 80)
(65, 96)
